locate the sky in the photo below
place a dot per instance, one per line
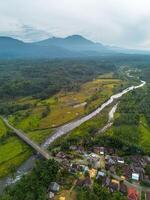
(122, 23)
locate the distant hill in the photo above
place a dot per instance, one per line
(69, 47)
(13, 48)
(75, 43)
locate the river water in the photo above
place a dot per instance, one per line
(27, 165)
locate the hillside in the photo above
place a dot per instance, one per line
(12, 48)
(72, 46)
(75, 43)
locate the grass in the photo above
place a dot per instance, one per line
(40, 135)
(3, 129)
(62, 106)
(13, 153)
(133, 134)
(145, 134)
(59, 109)
(85, 131)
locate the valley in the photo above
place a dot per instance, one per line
(40, 118)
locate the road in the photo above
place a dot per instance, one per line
(27, 140)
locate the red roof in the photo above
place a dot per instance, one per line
(133, 194)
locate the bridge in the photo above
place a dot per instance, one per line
(28, 141)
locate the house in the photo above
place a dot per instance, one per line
(123, 189)
(135, 176)
(80, 149)
(114, 185)
(74, 168)
(61, 155)
(85, 168)
(73, 147)
(62, 198)
(106, 181)
(110, 160)
(112, 169)
(96, 150)
(54, 187)
(99, 150)
(84, 182)
(92, 173)
(133, 194)
(127, 171)
(65, 163)
(110, 151)
(100, 174)
(120, 160)
(94, 160)
(140, 171)
(51, 195)
(94, 155)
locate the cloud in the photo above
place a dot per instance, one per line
(116, 22)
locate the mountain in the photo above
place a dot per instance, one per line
(75, 43)
(69, 47)
(13, 48)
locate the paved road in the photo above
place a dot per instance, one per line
(27, 140)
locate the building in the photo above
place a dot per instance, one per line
(120, 160)
(123, 189)
(135, 176)
(100, 174)
(61, 155)
(99, 150)
(54, 187)
(133, 194)
(62, 198)
(84, 182)
(92, 173)
(51, 195)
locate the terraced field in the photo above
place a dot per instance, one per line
(39, 119)
(64, 106)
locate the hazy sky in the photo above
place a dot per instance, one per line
(115, 22)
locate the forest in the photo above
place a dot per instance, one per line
(43, 78)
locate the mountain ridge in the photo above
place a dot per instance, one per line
(57, 47)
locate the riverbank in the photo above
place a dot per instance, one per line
(69, 127)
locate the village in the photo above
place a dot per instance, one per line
(128, 175)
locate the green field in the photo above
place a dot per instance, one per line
(85, 133)
(131, 124)
(41, 116)
(144, 129)
(64, 106)
(13, 153)
(3, 129)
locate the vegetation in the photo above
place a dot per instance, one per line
(84, 134)
(34, 185)
(40, 95)
(147, 169)
(43, 78)
(132, 119)
(13, 153)
(98, 193)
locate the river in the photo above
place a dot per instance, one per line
(62, 130)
